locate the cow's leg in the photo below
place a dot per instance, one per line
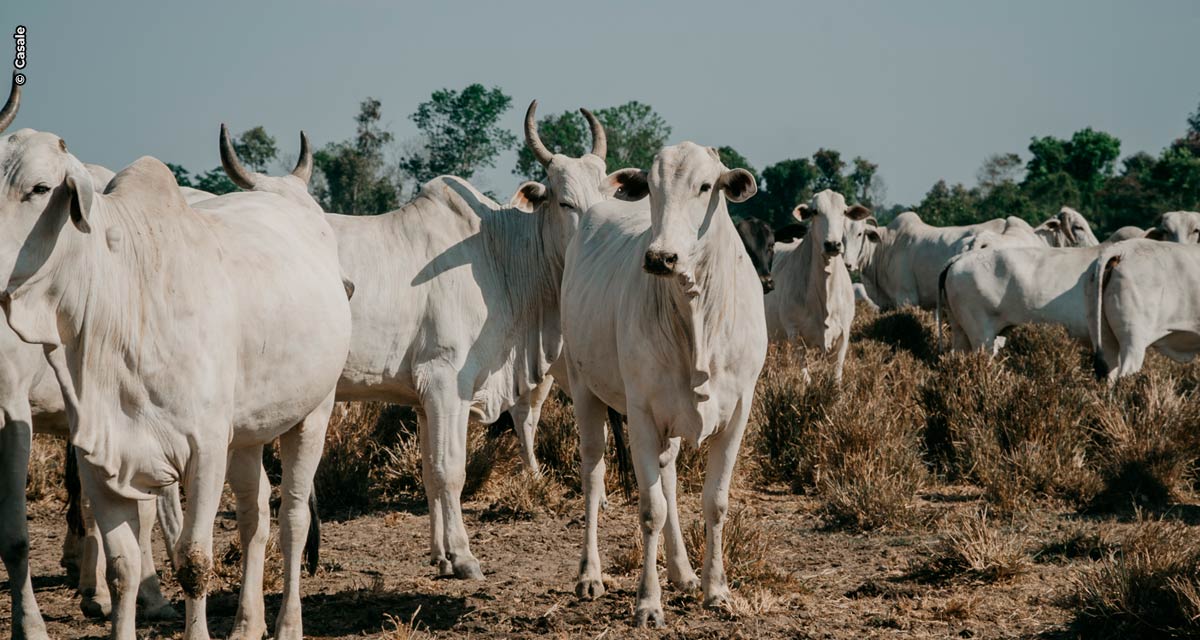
(437, 536)
(204, 482)
(170, 518)
(150, 598)
(590, 414)
(300, 452)
(1131, 355)
(117, 520)
(446, 421)
(95, 600)
(16, 439)
(648, 449)
(842, 349)
(248, 480)
(526, 413)
(679, 569)
(722, 454)
(72, 549)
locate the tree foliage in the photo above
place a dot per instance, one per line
(459, 133)
(256, 148)
(354, 176)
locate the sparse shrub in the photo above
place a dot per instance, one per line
(47, 466)
(1089, 543)
(974, 549)
(907, 329)
(525, 496)
(1149, 588)
(746, 547)
(856, 448)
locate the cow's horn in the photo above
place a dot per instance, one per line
(532, 139)
(229, 161)
(9, 113)
(599, 139)
(304, 164)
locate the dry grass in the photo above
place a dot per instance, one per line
(46, 467)
(525, 496)
(1150, 587)
(973, 548)
(746, 547)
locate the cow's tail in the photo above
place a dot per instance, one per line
(624, 458)
(74, 494)
(1101, 272)
(312, 544)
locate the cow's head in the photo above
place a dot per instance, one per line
(1067, 229)
(855, 241)
(293, 186)
(759, 240)
(572, 184)
(827, 214)
(688, 186)
(1177, 226)
(44, 188)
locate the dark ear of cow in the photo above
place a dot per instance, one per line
(1155, 234)
(873, 234)
(82, 193)
(629, 184)
(858, 212)
(790, 232)
(803, 212)
(738, 184)
(872, 221)
(529, 196)
(1052, 224)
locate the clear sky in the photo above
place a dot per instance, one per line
(926, 89)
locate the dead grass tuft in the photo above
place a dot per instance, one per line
(47, 465)
(973, 549)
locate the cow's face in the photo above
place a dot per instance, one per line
(687, 185)
(827, 214)
(1067, 229)
(855, 241)
(43, 186)
(1177, 226)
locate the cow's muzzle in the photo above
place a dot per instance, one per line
(768, 284)
(660, 263)
(833, 248)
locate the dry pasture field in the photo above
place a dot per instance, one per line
(929, 496)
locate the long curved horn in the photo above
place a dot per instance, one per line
(9, 112)
(229, 161)
(532, 138)
(304, 165)
(599, 138)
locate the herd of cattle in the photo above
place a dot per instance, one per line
(170, 334)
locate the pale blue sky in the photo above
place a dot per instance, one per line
(927, 89)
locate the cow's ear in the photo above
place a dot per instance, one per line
(790, 232)
(82, 194)
(858, 212)
(1052, 224)
(803, 212)
(629, 184)
(873, 234)
(529, 196)
(738, 184)
(872, 222)
(1155, 234)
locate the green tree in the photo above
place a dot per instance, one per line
(635, 133)
(255, 148)
(829, 167)
(863, 183)
(459, 133)
(354, 179)
(787, 183)
(997, 170)
(181, 174)
(215, 181)
(944, 205)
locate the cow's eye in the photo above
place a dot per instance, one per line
(40, 189)
(704, 188)
(567, 205)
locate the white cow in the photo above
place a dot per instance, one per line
(814, 298)
(663, 321)
(456, 312)
(1177, 226)
(1142, 294)
(1125, 233)
(183, 339)
(1067, 229)
(988, 291)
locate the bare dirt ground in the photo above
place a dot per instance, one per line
(374, 580)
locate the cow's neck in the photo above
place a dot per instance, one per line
(820, 277)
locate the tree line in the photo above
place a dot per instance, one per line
(459, 134)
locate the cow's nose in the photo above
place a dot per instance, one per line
(833, 248)
(660, 263)
(768, 284)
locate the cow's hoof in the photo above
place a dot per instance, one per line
(649, 616)
(688, 582)
(244, 631)
(95, 609)
(444, 568)
(160, 613)
(467, 569)
(589, 588)
(717, 600)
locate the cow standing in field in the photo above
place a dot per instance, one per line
(183, 339)
(1142, 294)
(814, 301)
(456, 312)
(663, 321)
